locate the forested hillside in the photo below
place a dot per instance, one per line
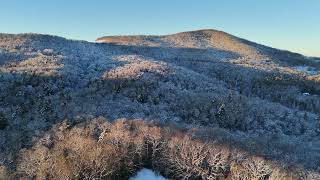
(234, 107)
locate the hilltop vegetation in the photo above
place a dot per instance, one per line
(224, 91)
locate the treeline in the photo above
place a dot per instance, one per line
(97, 149)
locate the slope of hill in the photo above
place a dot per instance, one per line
(248, 96)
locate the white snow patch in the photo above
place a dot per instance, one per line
(307, 69)
(100, 41)
(147, 174)
(306, 94)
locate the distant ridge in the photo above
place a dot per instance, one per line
(206, 38)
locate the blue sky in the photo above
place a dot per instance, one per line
(285, 24)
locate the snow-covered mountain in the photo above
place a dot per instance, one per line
(255, 97)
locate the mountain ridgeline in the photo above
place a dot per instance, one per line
(199, 90)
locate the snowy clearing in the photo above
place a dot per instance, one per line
(147, 174)
(306, 69)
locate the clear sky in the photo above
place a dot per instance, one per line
(284, 24)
